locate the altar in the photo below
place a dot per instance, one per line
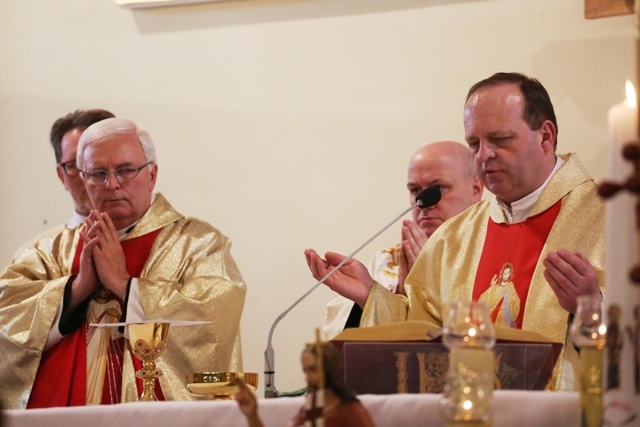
(511, 408)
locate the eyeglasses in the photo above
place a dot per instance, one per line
(70, 169)
(122, 174)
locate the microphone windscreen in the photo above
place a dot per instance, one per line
(430, 196)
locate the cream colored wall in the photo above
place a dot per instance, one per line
(287, 124)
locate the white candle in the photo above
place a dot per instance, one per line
(621, 242)
(621, 254)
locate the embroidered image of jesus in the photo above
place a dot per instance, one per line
(502, 298)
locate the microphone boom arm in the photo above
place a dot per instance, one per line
(428, 197)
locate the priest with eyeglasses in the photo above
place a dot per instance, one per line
(135, 258)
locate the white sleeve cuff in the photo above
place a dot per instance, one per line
(135, 312)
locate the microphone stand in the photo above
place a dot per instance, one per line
(425, 199)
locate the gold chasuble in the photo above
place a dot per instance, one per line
(478, 255)
(189, 274)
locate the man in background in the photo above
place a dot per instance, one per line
(64, 136)
(134, 259)
(447, 165)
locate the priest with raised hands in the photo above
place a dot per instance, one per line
(134, 259)
(541, 238)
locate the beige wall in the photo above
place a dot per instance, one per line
(286, 124)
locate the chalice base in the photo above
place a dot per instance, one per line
(149, 375)
(147, 342)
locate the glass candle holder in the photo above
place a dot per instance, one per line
(468, 324)
(588, 328)
(588, 333)
(469, 335)
(467, 399)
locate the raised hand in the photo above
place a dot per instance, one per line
(352, 280)
(570, 274)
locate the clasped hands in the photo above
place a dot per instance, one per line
(102, 260)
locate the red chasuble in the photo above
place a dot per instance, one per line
(509, 258)
(61, 379)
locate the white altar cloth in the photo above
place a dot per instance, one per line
(511, 408)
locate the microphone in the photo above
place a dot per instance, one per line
(428, 197)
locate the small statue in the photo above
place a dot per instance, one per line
(334, 402)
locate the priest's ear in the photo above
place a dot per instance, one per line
(548, 134)
(153, 175)
(60, 173)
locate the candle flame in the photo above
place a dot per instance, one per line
(631, 95)
(602, 329)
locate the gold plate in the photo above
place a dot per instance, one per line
(219, 385)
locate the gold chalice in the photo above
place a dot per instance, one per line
(147, 341)
(219, 385)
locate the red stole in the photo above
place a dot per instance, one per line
(61, 377)
(519, 245)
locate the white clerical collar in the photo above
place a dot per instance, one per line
(520, 209)
(124, 231)
(75, 220)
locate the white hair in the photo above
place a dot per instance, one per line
(104, 129)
